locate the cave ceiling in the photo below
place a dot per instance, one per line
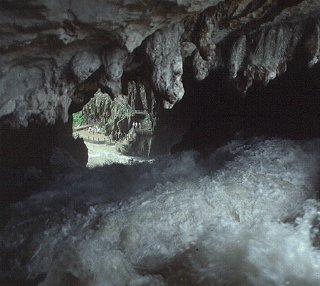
(58, 53)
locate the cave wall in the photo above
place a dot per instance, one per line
(31, 156)
(55, 55)
(213, 112)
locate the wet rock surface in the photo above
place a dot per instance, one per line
(56, 55)
(164, 54)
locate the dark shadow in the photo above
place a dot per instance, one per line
(288, 107)
(25, 157)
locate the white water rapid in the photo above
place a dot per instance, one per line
(244, 216)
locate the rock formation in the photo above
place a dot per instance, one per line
(97, 110)
(52, 53)
(56, 54)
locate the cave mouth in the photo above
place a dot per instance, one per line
(211, 114)
(117, 129)
(231, 195)
(250, 196)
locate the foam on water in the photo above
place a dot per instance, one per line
(242, 217)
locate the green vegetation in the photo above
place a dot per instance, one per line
(78, 119)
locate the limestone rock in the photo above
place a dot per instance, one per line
(238, 53)
(263, 56)
(118, 123)
(114, 61)
(200, 67)
(315, 231)
(84, 64)
(56, 54)
(42, 41)
(313, 45)
(164, 54)
(26, 89)
(97, 110)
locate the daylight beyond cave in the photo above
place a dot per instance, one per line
(160, 142)
(144, 57)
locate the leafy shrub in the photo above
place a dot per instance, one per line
(78, 119)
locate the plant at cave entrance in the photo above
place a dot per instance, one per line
(78, 119)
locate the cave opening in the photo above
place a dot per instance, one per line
(212, 113)
(216, 112)
(118, 128)
(147, 143)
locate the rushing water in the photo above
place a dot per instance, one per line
(244, 216)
